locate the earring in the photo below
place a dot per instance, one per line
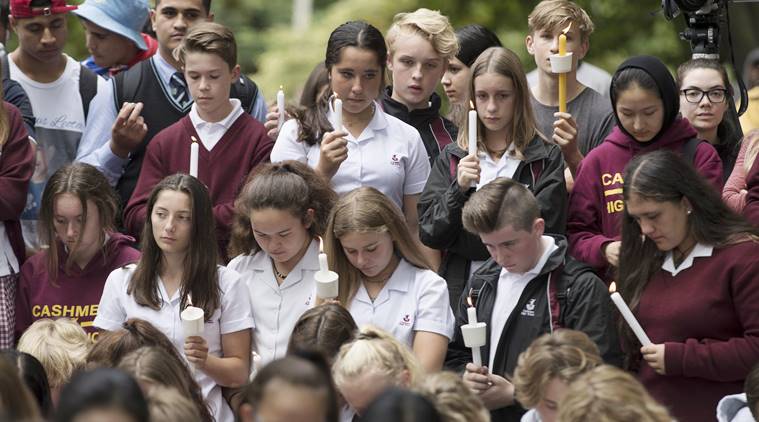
(689, 211)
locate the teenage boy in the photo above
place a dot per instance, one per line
(150, 97)
(113, 32)
(529, 286)
(589, 117)
(59, 88)
(419, 45)
(231, 142)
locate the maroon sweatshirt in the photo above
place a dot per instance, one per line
(75, 295)
(596, 202)
(707, 316)
(751, 210)
(16, 169)
(223, 170)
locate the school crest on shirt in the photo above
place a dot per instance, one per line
(395, 160)
(529, 308)
(406, 320)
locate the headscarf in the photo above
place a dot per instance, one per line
(665, 83)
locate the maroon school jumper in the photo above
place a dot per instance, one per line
(707, 316)
(223, 169)
(75, 295)
(595, 204)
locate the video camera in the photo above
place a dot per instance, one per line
(702, 20)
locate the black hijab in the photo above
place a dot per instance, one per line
(665, 83)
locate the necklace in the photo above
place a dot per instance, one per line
(278, 274)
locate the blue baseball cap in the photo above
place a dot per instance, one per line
(123, 17)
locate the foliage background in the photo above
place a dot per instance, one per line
(274, 54)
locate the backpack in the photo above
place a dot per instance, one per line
(88, 84)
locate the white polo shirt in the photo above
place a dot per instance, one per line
(413, 299)
(389, 155)
(276, 308)
(116, 306)
(211, 132)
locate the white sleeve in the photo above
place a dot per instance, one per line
(111, 312)
(287, 146)
(418, 165)
(236, 310)
(433, 306)
(94, 147)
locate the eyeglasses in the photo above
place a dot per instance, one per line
(695, 95)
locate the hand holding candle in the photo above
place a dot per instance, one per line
(474, 333)
(194, 150)
(327, 286)
(193, 324)
(281, 107)
(628, 315)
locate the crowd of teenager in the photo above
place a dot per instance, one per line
(152, 177)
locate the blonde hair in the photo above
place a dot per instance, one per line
(366, 210)
(208, 38)
(429, 24)
(553, 15)
(608, 394)
(454, 401)
(752, 149)
(504, 62)
(60, 345)
(377, 352)
(564, 354)
(169, 405)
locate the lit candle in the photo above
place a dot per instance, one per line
(327, 282)
(193, 323)
(472, 138)
(281, 107)
(474, 333)
(563, 76)
(628, 315)
(338, 113)
(194, 150)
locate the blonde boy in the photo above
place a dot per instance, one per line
(419, 46)
(589, 116)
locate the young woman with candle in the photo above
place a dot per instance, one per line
(279, 215)
(372, 148)
(176, 269)
(78, 220)
(705, 96)
(385, 279)
(646, 106)
(508, 145)
(679, 239)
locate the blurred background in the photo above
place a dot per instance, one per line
(279, 41)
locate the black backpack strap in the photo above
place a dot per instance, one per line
(126, 84)
(689, 149)
(557, 297)
(6, 68)
(246, 91)
(88, 87)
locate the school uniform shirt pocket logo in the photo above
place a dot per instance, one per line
(395, 160)
(406, 321)
(529, 309)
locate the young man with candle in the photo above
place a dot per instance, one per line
(529, 286)
(232, 142)
(113, 34)
(589, 116)
(150, 97)
(60, 91)
(419, 46)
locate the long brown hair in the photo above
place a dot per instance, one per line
(289, 186)
(504, 62)
(323, 329)
(111, 346)
(5, 128)
(366, 210)
(86, 183)
(156, 366)
(16, 401)
(200, 279)
(663, 176)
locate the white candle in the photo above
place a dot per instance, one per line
(193, 324)
(194, 150)
(338, 114)
(471, 312)
(628, 316)
(474, 333)
(323, 267)
(326, 281)
(281, 107)
(472, 137)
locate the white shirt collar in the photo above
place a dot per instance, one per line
(226, 122)
(378, 122)
(165, 70)
(699, 251)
